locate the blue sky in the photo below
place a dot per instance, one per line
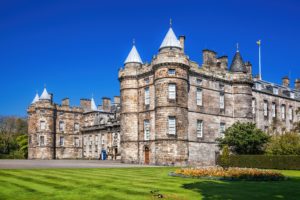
(76, 47)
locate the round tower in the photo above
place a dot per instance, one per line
(129, 109)
(41, 127)
(171, 107)
(242, 89)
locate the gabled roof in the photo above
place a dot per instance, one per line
(133, 56)
(237, 64)
(45, 95)
(93, 105)
(36, 99)
(170, 40)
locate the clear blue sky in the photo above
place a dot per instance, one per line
(76, 47)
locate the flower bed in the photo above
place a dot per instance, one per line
(231, 173)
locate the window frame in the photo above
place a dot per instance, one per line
(172, 125)
(172, 94)
(146, 129)
(199, 97)
(147, 96)
(199, 128)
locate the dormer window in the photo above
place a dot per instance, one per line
(258, 86)
(292, 95)
(275, 90)
(171, 72)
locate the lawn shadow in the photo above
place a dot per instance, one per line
(211, 189)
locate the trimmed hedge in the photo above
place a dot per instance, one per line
(260, 161)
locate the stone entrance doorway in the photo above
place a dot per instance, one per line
(147, 156)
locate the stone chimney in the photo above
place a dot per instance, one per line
(117, 100)
(65, 102)
(248, 66)
(286, 81)
(99, 107)
(209, 57)
(297, 84)
(182, 40)
(85, 104)
(106, 104)
(223, 62)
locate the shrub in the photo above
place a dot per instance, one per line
(244, 138)
(230, 173)
(262, 161)
(285, 144)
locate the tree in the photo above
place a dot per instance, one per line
(244, 138)
(22, 141)
(285, 144)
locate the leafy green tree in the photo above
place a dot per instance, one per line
(22, 141)
(285, 144)
(244, 138)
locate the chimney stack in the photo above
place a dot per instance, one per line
(297, 84)
(117, 100)
(106, 104)
(286, 81)
(65, 102)
(182, 40)
(209, 57)
(85, 104)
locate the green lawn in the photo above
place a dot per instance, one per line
(135, 183)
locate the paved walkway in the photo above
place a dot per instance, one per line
(38, 164)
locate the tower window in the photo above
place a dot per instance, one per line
(146, 129)
(146, 80)
(42, 140)
(199, 97)
(266, 108)
(221, 86)
(222, 130)
(172, 125)
(147, 96)
(61, 141)
(222, 100)
(61, 126)
(42, 125)
(171, 71)
(199, 128)
(76, 142)
(172, 91)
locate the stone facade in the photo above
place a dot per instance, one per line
(170, 111)
(64, 132)
(208, 99)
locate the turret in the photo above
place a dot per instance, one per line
(242, 88)
(42, 127)
(171, 106)
(129, 109)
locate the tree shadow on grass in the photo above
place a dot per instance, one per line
(210, 189)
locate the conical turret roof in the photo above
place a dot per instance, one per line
(170, 40)
(36, 99)
(133, 56)
(45, 95)
(237, 64)
(93, 105)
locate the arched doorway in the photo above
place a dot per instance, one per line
(147, 156)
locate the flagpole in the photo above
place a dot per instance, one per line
(259, 60)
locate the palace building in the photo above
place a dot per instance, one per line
(170, 111)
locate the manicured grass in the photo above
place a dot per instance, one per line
(135, 183)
